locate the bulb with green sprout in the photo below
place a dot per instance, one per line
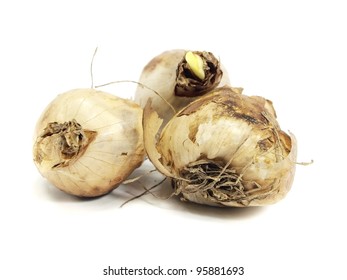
(178, 77)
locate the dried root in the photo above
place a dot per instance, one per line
(211, 180)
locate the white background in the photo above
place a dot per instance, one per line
(292, 52)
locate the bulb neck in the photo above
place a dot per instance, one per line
(197, 74)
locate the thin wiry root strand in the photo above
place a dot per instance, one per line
(143, 193)
(132, 180)
(143, 86)
(211, 180)
(91, 67)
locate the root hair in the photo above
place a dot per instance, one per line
(141, 85)
(212, 180)
(91, 67)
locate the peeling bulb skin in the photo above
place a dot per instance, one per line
(179, 77)
(224, 149)
(87, 142)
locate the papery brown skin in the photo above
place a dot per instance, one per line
(165, 74)
(234, 137)
(87, 142)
